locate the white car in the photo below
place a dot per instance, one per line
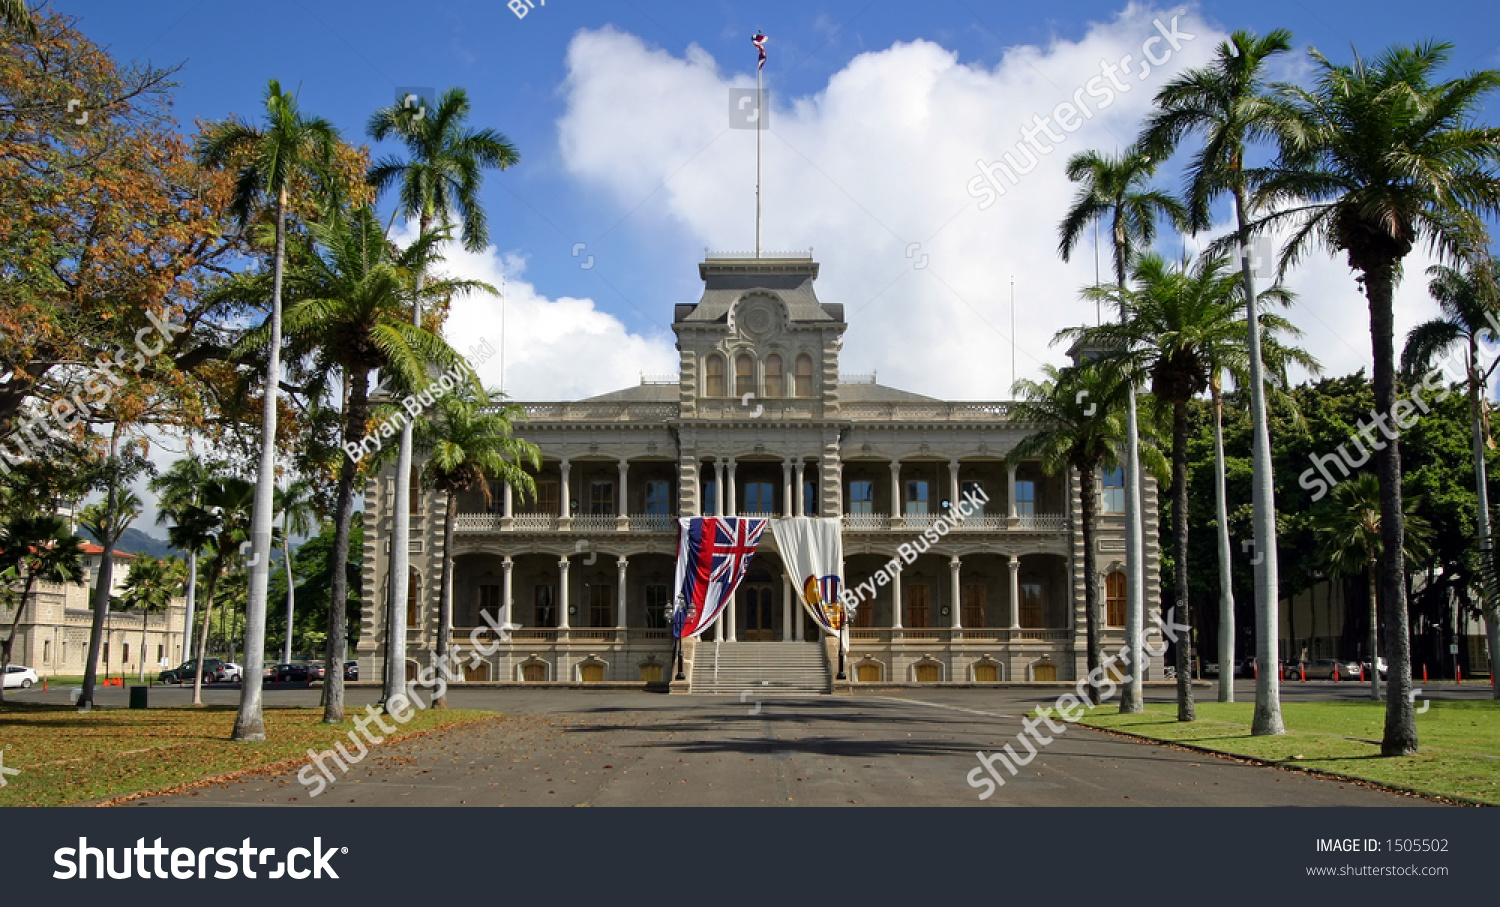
(20, 676)
(229, 672)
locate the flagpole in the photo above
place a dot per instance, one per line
(760, 115)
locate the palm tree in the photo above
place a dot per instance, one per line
(266, 162)
(1079, 409)
(1470, 302)
(1226, 102)
(38, 548)
(177, 489)
(438, 184)
(149, 588)
(219, 523)
(1176, 328)
(1114, 191)
(467, 446)
(1350, 543)
(351, 316)
(1434, 179)
(15, 14)
(295, 503)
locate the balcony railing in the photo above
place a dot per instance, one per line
(1042, 522)
(600, 412)
(594, 522)
(536, 522)
(652, 522)
(477, 522)
(940, 634)
(867, 522)
(926, 412)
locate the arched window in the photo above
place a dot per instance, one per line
(744, 375)
(714, 377)
(775, 380)
(802, 385)
(413, 590)
(1114, 599)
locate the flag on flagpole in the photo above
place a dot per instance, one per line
(713, 555)
(760, 44)
(812, 548)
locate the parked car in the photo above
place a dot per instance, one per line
(228, 672)
(1380, 662)
(314, 670)
(291, 673)
(351, 670)
(20, 676)
(183, 673)
(1326, 669)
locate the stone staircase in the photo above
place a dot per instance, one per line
(766, 667)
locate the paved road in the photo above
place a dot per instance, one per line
(905, 748)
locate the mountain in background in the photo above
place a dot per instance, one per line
(134, 541)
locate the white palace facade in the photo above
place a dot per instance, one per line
(760, 422)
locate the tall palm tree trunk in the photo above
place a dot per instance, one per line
(1374, 639)
(1086, 500)
(343, 513)
(142, 676)
(1490, 599)
(445, 593)
(1226, 569)
(105, 579)
(291, 593)
(208, 615)
(1183, 617)
(1131, 699)
(1400, 717)
(250, 723)
(192, 600)
(395, 623)
(1267, 718)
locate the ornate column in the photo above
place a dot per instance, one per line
(1015, 592)
(565, 499)
(562, 593)
(955, 592)
(895, 600)
(730, 508)
(729, 615)
(622, 519)
(1010, 493)
(787, 606)
(507, 507)
(786, 481)
(621, 565)
(799, 473)
(954, 486)
(719, 486)
(506, 565)
(897, 517)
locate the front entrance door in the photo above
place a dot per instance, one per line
(755, 600)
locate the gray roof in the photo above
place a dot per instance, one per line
(879, 393)
(641, 393)
(725, 281)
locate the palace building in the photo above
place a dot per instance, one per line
(759, 421)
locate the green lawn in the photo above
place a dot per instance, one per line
(1460, 741)
(67, 757)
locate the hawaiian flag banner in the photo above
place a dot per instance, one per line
(813, 550)
(713, 554)
(759, 40)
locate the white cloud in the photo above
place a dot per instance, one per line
(884, 157)
(553, 349)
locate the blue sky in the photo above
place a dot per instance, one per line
(602, 99)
